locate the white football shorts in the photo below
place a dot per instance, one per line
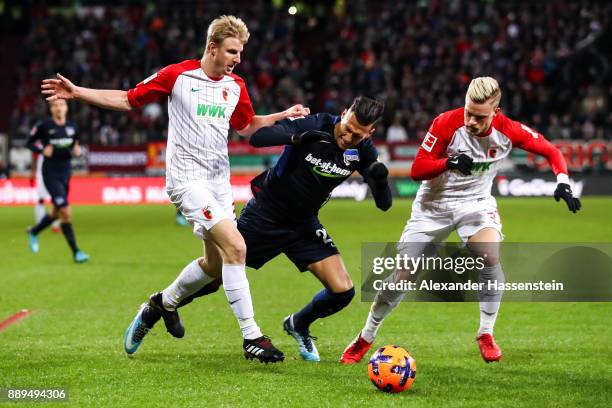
(430, 224)
(41, 190)
(204, 203)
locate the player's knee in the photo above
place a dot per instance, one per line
(344, 285)
(65, 214)
(235, 253)
(344, 298)
(488, 251)
(491, 260)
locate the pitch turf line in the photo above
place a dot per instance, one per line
(17, 317)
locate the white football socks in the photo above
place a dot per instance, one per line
(238, 294)
(191, 279)
(384, 302)
(39, 212)
(489, 299)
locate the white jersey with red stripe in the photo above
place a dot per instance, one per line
(201, 110)
(449, 137)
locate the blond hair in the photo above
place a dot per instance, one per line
(225, 27)
(484, 89)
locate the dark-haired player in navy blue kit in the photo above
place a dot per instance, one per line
(321, 152)
(56, 139)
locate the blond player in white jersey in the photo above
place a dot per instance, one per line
(457, 162)
(205, 98)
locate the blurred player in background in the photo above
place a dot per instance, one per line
(204, 99)
(283, 215)
(56, 139)
(42, 195)
(457, 162)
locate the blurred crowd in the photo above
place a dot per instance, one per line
(552, 59)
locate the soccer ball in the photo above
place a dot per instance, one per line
(392, 369)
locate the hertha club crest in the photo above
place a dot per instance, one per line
(350, 155)
(207, 213)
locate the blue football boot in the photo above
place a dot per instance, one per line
(33, 242)
(80, 257)
(144, 321)
(308, 350)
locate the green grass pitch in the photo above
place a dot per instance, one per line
(555, 354)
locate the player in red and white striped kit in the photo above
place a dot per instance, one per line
(457, 162)
(205, 98)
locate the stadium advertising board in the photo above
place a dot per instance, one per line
(151, 190)
(125, 159)
(531, 185)
(136, 190)
(580, 155)
(156, 157)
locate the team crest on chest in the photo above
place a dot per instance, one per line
(350, 155)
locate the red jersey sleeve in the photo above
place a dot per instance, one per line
(431, 158)
(531, 141)
(158, 85)
(243, 114)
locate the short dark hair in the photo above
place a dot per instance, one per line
(367, 111)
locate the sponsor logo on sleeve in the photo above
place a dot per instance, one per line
(530, 131)
(429, 142)
(152, 77)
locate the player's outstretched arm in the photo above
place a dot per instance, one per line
(376, 177)
(260, 121)
(531, 141)
(278, 135)
(62, 88)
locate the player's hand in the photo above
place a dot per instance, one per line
(564, 192)
(463, 163)
(296, 111)
(310, 136)
(48, 151)
(378, 172)
(76, 150)
(58, 88)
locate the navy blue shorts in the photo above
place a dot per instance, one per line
(303, 243)
(57, 186)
